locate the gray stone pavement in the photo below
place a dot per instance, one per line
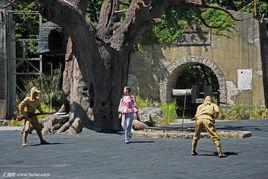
(99, 155)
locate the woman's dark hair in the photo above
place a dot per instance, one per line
(128, 89)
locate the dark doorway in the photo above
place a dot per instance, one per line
(195, 75)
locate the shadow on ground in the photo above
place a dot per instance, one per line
(210, 153)
(142, 141)
(245, 128)
(56, 143)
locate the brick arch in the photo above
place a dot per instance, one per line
(170, 80)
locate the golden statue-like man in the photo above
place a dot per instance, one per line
(205, 118)
(28, 107)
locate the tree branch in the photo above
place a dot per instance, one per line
(244, 4)
(108, 17)
(63, 13)
(80, 4)
(207, 6)
(105, 12)
(10, 3)
(141, 15)
(133, 13)
(82, 32)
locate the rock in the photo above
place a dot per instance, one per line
(4, 123)
(76, 127)
(150, 115)
(138, 125)
(174, 134)
(53, 123)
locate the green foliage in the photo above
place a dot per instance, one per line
(26, 27)
(173, 22)
(239, 112)
(261, 7)
(142, 103)
(169, 112)
(14, 122)
(26, 24)
(46, 108)
(178, 19)
(26, 5)
(93, 10)
(171, 26)
(218, 19)
(258, 113)
(236, 112)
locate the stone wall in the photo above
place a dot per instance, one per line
(155, 68)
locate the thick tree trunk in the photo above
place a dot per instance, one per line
(94, 105)
(108, 91)
(78, 96)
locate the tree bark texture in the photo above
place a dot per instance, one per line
(97, 58)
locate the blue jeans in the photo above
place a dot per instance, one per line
(126, 123)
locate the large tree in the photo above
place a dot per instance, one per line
(97, 58)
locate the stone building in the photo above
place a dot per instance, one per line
(239, 61)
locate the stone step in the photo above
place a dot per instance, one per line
(173, 134)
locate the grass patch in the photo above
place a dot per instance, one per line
(239, 112)
(169, 112)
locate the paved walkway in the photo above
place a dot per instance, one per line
(98, 155)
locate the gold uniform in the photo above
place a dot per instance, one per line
(204, 118)
(27, 107)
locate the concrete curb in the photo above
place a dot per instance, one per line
(188, 135)
(8, 128)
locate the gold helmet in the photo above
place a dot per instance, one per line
(34, 90)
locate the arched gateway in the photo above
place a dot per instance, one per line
(169, 82)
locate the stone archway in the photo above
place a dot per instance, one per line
(169, 81)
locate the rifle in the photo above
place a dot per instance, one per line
(21, 117)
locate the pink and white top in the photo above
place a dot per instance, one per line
(128, 104)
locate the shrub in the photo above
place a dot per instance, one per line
(46, 108)
(239, 112)
(258, 113)
(14, 122)
(169, 112)
(143, 103)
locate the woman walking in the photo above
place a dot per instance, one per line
(127, 108)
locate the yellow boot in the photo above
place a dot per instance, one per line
(194, 145)
(218, 148)
(42, 141)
